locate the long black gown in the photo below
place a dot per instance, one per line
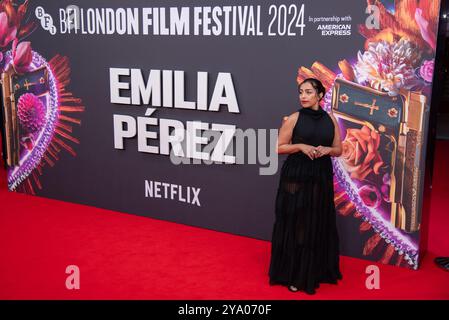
(305, 243)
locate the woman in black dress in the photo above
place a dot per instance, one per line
(305, 243)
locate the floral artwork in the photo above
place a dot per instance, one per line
(388, 66)
(361, 152)
(395, 59)
(44, 107)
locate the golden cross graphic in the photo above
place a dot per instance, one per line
(372, 106)
(28, 84)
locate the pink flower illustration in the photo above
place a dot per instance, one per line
(22, 55)
(7, 33)
(423, 24)
(31, 112)
(426, 70)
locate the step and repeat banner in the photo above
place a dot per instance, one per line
(170, 109)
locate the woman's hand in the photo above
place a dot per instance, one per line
(309, 151)
(322, 151)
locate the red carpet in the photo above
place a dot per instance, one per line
(122, 256)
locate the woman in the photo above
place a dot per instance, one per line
(305, 244)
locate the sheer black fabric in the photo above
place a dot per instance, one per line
(305, 243)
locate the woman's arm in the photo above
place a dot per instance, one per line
(336, 144)
(284, 145)
(285, 135)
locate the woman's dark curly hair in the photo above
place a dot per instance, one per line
(319, 88)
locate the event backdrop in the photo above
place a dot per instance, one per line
(170, 109)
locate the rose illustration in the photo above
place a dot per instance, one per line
(360, 152)
(426, 70)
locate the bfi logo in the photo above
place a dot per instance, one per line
(71, 20)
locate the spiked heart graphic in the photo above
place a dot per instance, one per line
(39, 102)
